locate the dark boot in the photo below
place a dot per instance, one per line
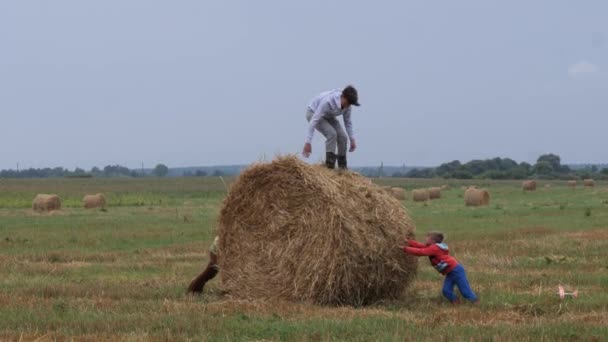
(330, 160)
(342, 162)
(197, 285)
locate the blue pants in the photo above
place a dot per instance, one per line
(458, 277)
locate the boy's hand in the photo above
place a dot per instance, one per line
(307, 150)
(353, 145)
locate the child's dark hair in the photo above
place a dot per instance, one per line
(436, 236)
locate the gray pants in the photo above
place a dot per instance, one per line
(333, 132)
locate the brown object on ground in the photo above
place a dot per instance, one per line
(44, 202)
(299, 232)
(572, 183)
(420, 195)
(94, 201)
(529, 185)
(210, 271)
(388, 189)
(590, 183)
(435, 193)
(547, 186)
(476, 197)
(398, 193)
(445, 187)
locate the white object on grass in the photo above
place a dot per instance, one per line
(562, 293)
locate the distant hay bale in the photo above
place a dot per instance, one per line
(420, 195)
(434, 193)
(388, 189)
(529, 185)
(445, 187)
(299, 232)
(572, 183)
(476, 197)
(547, 186)
(46, 202)
(94, 201)
(589, 183)
(398, 193)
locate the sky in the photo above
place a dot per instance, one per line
(192, 83)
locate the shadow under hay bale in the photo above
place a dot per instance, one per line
(298, 232)
(474, 197)
(44, 202)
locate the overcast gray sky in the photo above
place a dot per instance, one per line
(86, 83)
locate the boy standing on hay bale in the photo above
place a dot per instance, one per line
(197, 285)
(322, 115)
(439, 255)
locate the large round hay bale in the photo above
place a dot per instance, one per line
(420, 195)
(46, 202)
(398, 193)
(94, 201)
(476, 197)
(434, 193)
(298, 232)
(572, 183)
(528, 185)
(590, 183)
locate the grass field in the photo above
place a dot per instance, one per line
(122, 274)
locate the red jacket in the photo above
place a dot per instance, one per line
(438, 253)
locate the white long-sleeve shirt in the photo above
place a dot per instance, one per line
(327, 105)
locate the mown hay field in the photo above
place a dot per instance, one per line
(122, 273)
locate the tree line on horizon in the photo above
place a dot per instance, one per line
(547, 166)
(160, 170)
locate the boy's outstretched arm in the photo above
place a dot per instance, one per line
(415, 244)
(426, 251)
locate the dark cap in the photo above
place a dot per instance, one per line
(350, 94)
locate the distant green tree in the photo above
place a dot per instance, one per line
(161, 170)
(604, 171)
(447, 169)
(553, 159)
(462, 173)
(543, 168)
(519, 172)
